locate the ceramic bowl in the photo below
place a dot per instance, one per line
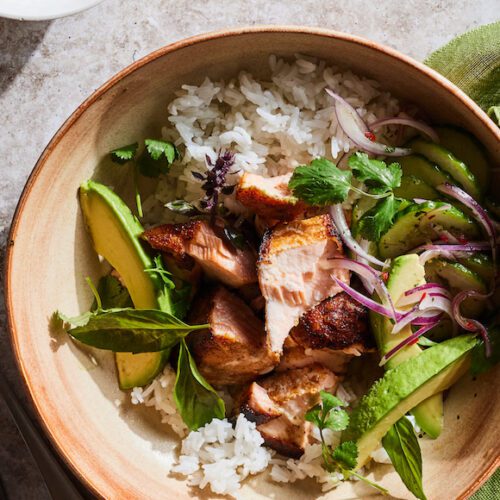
(121, 451)
(28, 10)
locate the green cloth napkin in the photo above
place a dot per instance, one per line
(472, 62)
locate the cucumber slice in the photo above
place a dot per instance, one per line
(448, 162)
(414, 187)
(456, 277)
(418, 166)
(466, 147)
(481, 264)
(419, 223)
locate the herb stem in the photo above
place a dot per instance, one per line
(371, 483)
(138, 201)
(95, 293)
(370, 195)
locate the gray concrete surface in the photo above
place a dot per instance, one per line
(48, 68)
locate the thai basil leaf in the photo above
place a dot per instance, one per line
(196, 399)
(402, 446)
(131, 330)
(112, 293)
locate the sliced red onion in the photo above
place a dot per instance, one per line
(418, 293)
(407, 341)
(373, 280)
(478, 211)
(419, 201)
(366, 301)
(470, 247)
(409, 122)
(471, 325)
(338, 217)
(356, 129)
(432, 254)
(431, 304)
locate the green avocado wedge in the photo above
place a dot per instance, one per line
(421, 223)
(402, 388)
(448, 162)
(115, 233)
(406, 273)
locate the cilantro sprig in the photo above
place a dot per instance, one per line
(323, 183)
(156, 159)
(329, 414)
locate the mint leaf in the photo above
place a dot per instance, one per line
(376, 221)
(346, 455)
(195, 398)
(124, 154)
(375, 173)
(157, 157)
(479, 362)
(402, 446)
(320, 183)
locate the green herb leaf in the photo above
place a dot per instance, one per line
(479, 362)
(320, 183)
(124, 154)
(182, 207)
(113, 294)
(346, 454)
(160, 271)
(235, 238)
(425, 342)
(157, 157)
(402, 446)
(329, 401)
(196, 399)
(314, 415)
(378, 220)
(337, 420)
(130, 330)
(375, 173)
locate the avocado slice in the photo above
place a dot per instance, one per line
(115, 233)
(402, 388)
(406, 273)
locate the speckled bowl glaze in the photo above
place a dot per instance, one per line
(121, 451)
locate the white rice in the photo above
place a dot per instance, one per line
(159, 394)
(220, 456)
(271, 126)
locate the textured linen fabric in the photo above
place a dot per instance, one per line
(472, 62)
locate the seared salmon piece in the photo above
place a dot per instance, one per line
(207, 246)
(295, 269)
(297, 356)
(269, 197)
(257, 406)
(338, 323)
(234, 349)
(292, 393)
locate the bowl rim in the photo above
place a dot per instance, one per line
(111, 82)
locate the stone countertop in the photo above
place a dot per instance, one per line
(48, 68)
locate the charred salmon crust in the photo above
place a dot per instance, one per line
(171, 238)
(256, 405)
(336, 323)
